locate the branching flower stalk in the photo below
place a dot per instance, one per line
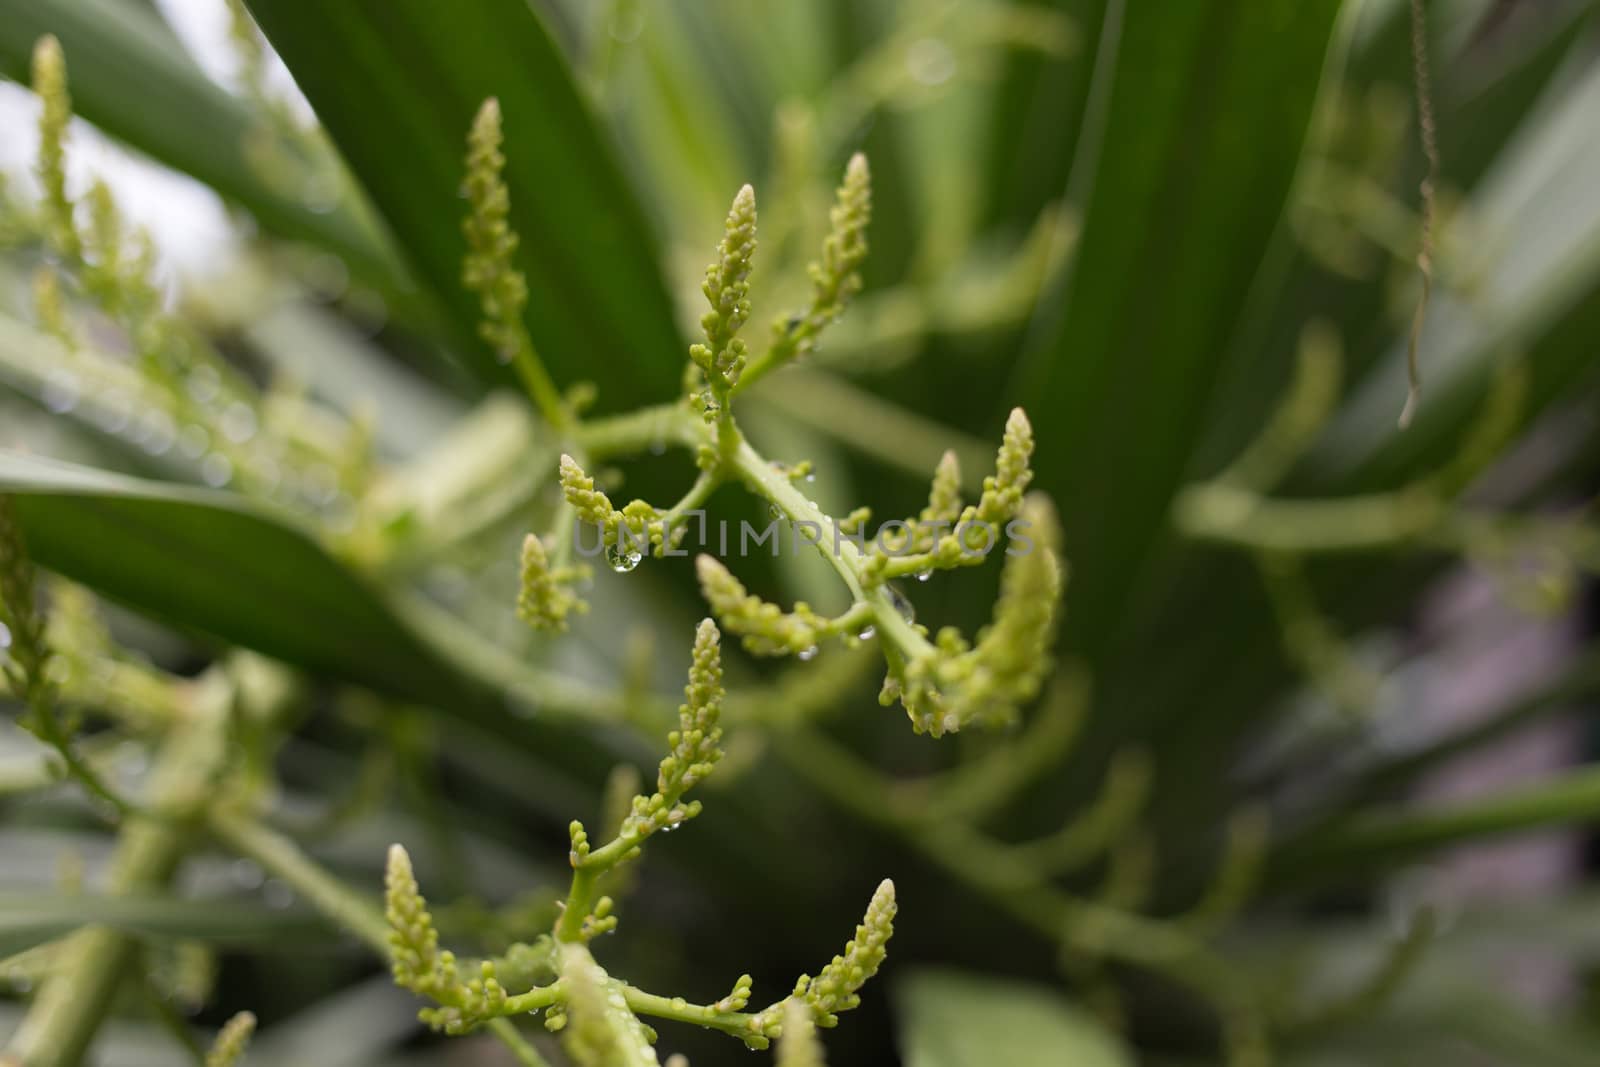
(1021, 879)
(599, 1012)
(835, 279)
(176, 396)
(946, 682)
(1237, 508)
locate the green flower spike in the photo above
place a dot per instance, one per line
(837, 987)
(799, 1045)
(764, 628)
(835, 279)
(1002, 490)
(946, 535)
(489, 269)
(944, 506)
(546, 597)
(228, 1049)
(696, 743)
(50, 83)
(696, 748)
(727, 288)
(419, 965)
(414, 954)
(591, 505)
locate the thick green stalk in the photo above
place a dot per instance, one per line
(675, 425)
(849, 561)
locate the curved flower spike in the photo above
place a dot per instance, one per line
(487, 269)
(727, 289)
(1002, 490)
(696, 743)
(954, 684)
(946, 535)
(765, 628)
(837, 987)
(592, 505)
(835, 279)
(414, 954)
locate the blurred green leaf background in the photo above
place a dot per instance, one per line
(1152, 225)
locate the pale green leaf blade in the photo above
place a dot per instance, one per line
(952, 1019)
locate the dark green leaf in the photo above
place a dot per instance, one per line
(214, 564)
(397, 82)
(1205, 111)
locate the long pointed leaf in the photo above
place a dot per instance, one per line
(1206, 110)
(32, 919)
(397, 82)
(214, 564)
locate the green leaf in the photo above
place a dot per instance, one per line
(397, 82)
(32, 919)
(221, 567)
(951, 1019)
(1038, 116)
(181, 118)
(1205, 109)
(215, 564)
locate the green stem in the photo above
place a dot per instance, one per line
(1366, 841)
(738, 1023)
(1229, 515)
(639, 431)
(848, 560)
(524, 1052)
(541, 387)
(704, 485)
(883, 431)
(284, 859)
(1024, 893)
(581, 896)
(65, 1016)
